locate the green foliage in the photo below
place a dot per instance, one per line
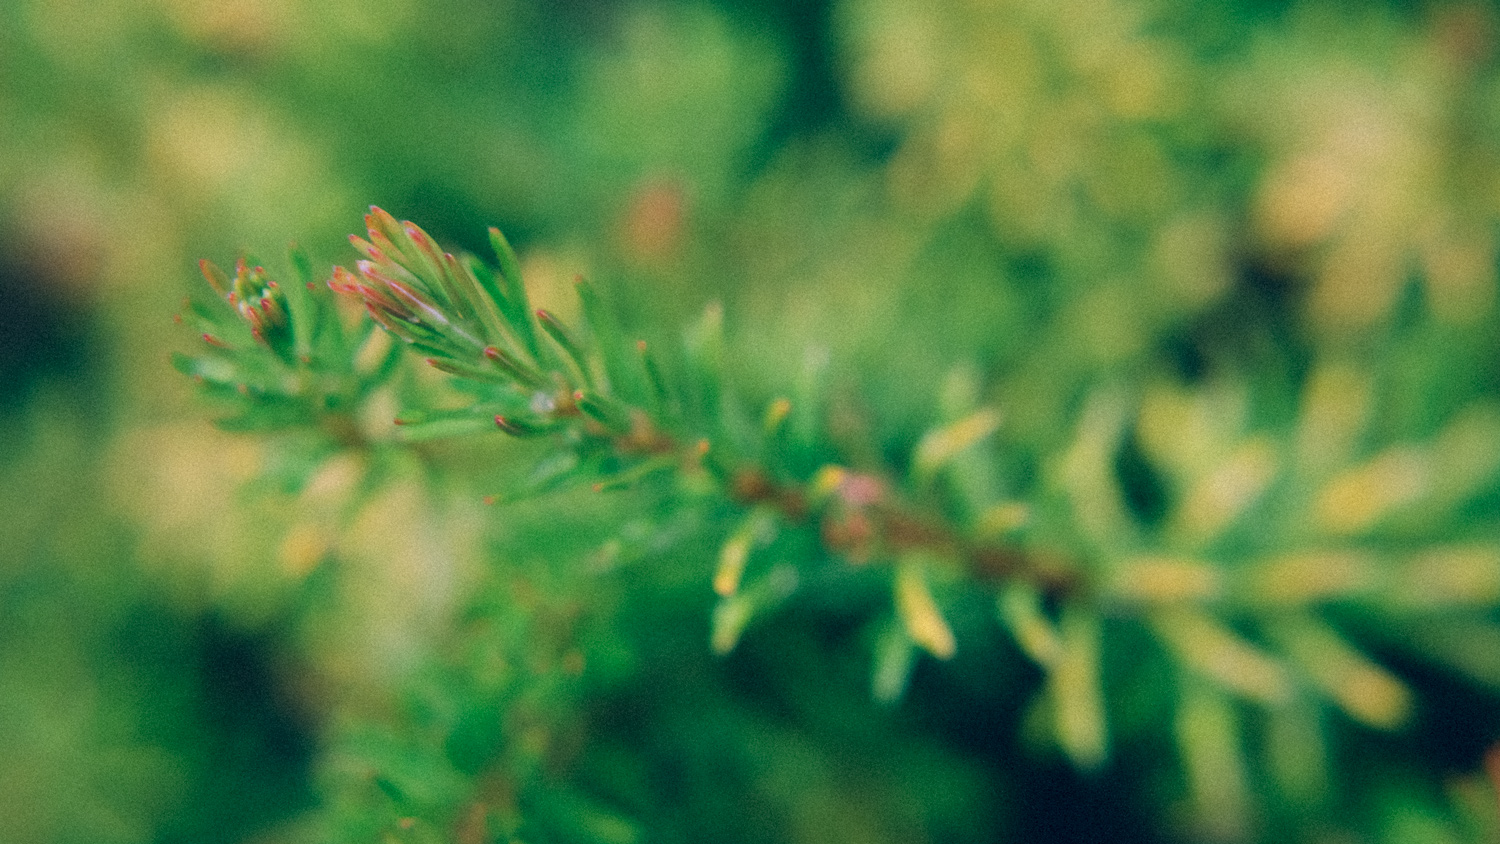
(1009, 421)
(283, 356)
(1140, 521)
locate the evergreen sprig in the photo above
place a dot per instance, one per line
(598, 392)
(280, 354)
(1242, 624)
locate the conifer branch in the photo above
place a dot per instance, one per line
(610, 407)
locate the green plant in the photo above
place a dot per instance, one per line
(1220, 570)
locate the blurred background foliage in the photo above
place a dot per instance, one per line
(1254, 224)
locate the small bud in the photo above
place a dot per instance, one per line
(425, 247)
(381, 226)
